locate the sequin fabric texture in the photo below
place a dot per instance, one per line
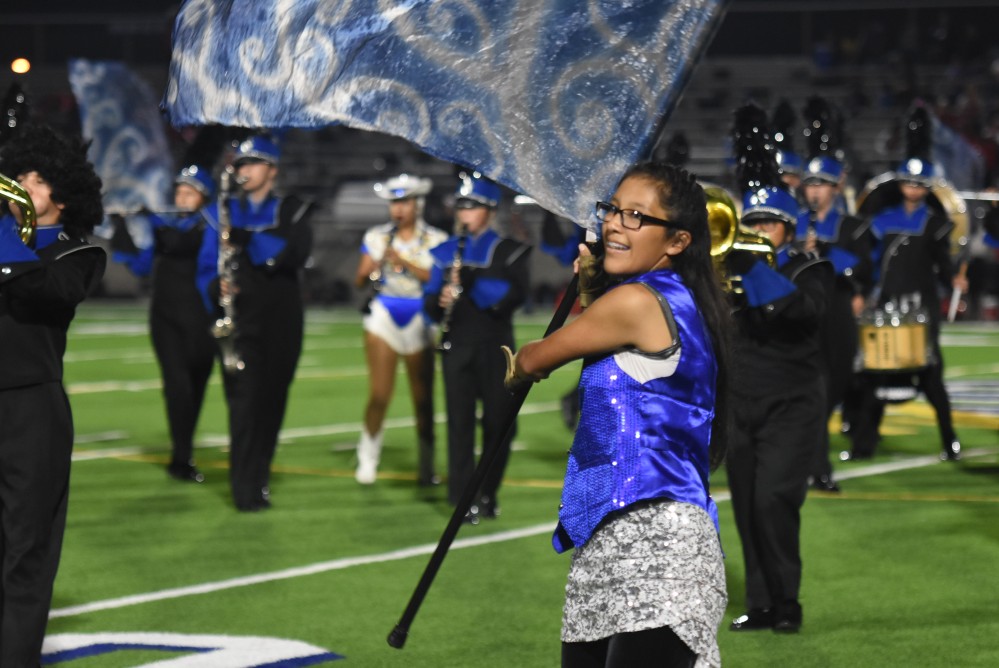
(657, 564)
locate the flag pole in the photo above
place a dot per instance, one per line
(398, 635)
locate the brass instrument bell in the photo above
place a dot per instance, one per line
(14, 192)
(728, 234)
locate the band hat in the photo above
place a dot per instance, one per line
(823, 169)
(916, 170)
(475, 190)
(769, 203)
(403, 186)
(789, 162)
(257, 148)
(198, 178)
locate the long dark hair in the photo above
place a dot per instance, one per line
(684, 202)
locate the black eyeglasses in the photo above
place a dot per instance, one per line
(631, 219)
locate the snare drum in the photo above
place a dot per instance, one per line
(891, 344)
(893, 349)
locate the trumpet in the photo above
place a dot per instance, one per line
(14, 192)
(727, 235)
(224, 329)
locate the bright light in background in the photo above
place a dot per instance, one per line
(20, 65)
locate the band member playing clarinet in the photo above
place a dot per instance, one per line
(845, 241)
(179, 327)
(269, 240)
(41, 284)
(647, 581)
(473, 293)
(395, 259)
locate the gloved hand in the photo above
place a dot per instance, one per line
(121, 240)
(239, 237)
(740, 262)
(593, 280)
(515, 380)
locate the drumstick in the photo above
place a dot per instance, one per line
(955, 296)
(955, 300)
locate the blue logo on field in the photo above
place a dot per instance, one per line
(230, 651)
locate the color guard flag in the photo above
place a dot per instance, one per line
(120, 117)
(552, 98)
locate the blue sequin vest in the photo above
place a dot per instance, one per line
(638, 441)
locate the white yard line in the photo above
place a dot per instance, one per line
(290, 434)
(416, 551)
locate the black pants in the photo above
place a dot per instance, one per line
(770, 453)
(257, 398)
(473, 373)
(659, 648)
(870, 410)
(185, 352)
(36, 444)
(839, 347)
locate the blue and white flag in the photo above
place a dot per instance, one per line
(119, 114)
(552, 98)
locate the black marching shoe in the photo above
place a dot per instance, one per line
(788, 617)
(431, 480)
(488, 508)
(185, 472)
(472, 516)
(951, 451)
(755, 619)
(824, 483)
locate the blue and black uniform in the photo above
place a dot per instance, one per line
(494, 279)
(178, 324)
(911, 259)
(274, 240)
(39, 292)
(778, 395)
(846, 242)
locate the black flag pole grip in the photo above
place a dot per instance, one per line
(397, 638)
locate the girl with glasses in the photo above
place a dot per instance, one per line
(647, 584)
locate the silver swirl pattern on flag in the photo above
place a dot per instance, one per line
(552, 98)
(120, 117)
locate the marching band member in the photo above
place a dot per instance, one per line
(647, 581)
(178, 325)
(778, 389)
(825, 228)
(396, 256)
(476, 283)
(40, 288)
(912, 260)
(272, 240)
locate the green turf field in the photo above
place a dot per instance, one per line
(900, 569)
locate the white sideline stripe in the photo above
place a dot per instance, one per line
(905, 464)
(222, 440)
(420, 550)
(313, 569)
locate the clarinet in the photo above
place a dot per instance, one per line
(455, 285)
(224, 329)
(376, 277)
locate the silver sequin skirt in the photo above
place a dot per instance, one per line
(656, 564)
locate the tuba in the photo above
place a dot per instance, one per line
(728, 234)
(12, 191)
